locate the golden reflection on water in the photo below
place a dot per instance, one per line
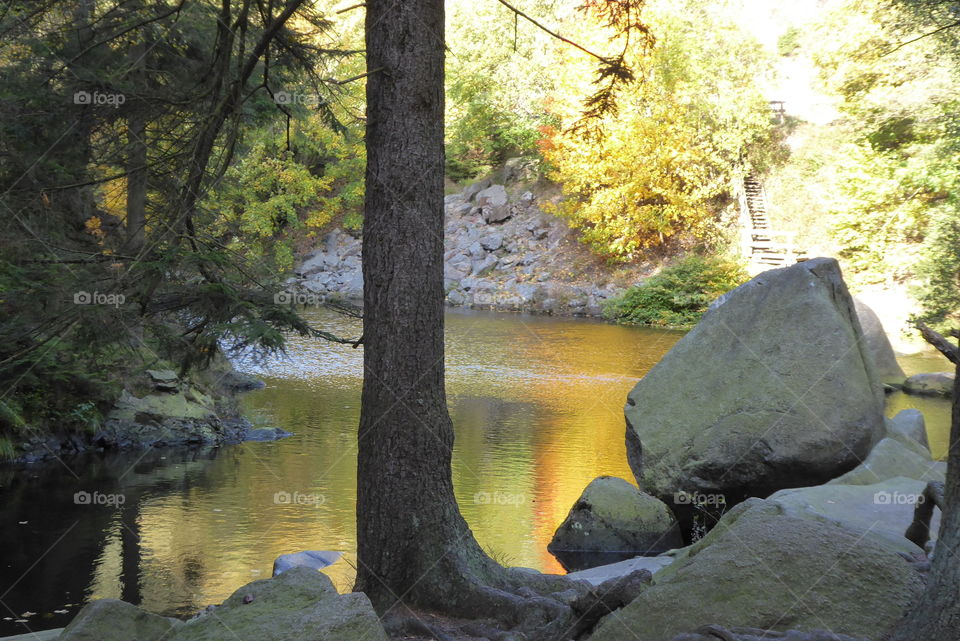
(537, 405)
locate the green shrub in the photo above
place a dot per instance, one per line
(677, 296)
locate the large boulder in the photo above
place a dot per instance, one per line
(772, 389)
(761, 568)
(936, 384)
(611, 521)
(878, 345)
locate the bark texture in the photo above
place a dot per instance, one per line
(414, 548)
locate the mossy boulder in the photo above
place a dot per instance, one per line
(762, 568)
(114, 620)
(772, 389)
(616, 520)
(299, 604)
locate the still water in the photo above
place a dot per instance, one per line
(537, 405)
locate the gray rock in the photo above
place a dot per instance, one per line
(612, 516)
(484, 265)
(332, 241)
(880, 512)
(878, 345)
(461, 210)
(451, 273)
(602, 573)
(477, 251)
(299, 604)
(45, 635)
(714, 633)
(938, 384)
(164, 380)
(908, 425)
(494, 205)
(113, 620)
(770, 390)
(476, 188)
(353, 284)
(527, 198)
(528, 292)
(313, 559)
(891, 458)
(456, 297)
(492, 242)
(760, 567)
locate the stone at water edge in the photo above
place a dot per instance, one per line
(299, 604)
(612, 520)
(772, 389)
(936, 384)
(315, 559)
(762, 568)
(878, 345)
(114, 620)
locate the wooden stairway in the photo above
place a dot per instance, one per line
(763, 246)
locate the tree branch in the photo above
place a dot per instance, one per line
(945, 347)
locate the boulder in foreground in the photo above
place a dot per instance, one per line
(761, 568)
(772, 389)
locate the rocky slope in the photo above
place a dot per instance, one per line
(501, 252)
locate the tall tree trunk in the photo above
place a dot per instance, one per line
(936, 616)
(414, 547)
(136, 159)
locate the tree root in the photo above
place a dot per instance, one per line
(510, 604)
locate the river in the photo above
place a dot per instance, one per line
(537, 408)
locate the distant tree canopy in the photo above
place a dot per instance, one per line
(666, 163)
(898, 213)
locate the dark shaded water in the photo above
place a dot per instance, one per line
(537, 407)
